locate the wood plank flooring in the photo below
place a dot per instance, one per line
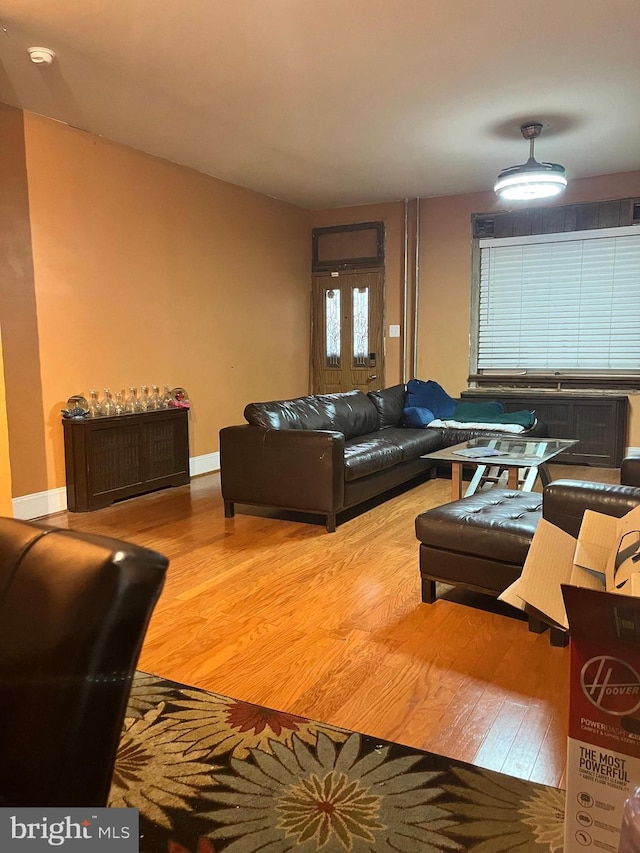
(330, 626)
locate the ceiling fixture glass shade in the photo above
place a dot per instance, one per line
(531, 179)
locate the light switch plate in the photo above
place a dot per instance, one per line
(394, 331)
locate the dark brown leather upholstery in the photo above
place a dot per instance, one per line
(351, 413)
(566, 500)
(497, 523)
(326, 453)
(74, 610)
(630, 470)
(481, 542)
(386, 448)
(390, 405)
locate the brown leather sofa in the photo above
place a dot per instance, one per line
(327, 453)
(481, 542)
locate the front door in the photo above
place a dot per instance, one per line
(347, 331)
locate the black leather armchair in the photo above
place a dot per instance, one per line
(565, 501)
(74, 610)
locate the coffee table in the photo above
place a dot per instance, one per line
(517, 460)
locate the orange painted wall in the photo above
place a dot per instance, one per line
(21, 356)
(149, 272)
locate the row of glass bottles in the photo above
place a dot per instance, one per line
(132, 404)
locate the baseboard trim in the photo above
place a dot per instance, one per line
(39, 504)
(204, 464)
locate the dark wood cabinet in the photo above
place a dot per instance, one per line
(107, 459)
(599, 422)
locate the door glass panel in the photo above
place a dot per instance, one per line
(360, 326)
(332, 326)
(347, 332)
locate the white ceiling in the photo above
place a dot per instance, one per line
(326, 103)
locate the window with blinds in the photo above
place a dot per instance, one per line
(566, 303)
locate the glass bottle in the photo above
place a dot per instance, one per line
(132, 404)
(167, 399)
(154, 400)
(108, 406)
(95, 409)
(119, 404)
(144, 401)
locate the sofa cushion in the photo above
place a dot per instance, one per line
(390, 405)
(416, 442)
(430, 395)
(385, 448)
(417, 417)
(351, 413)
(368, 454)
(299, 413)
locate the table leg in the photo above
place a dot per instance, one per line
(476, 480)
(456, 481)
(530, 478)
(513, 478)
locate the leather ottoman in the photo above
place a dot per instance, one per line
(479, 542)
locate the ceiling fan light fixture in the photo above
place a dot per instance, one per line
(531, 180)
(535, 183)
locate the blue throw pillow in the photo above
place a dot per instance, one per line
(430, 395)
(416, 417)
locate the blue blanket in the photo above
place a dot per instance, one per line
(428, 401)
(431, 396)
(486, 413)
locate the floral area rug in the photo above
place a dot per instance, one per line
(212, 774)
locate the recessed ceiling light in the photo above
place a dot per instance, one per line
(41, 55)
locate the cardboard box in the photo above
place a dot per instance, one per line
(592, 587)
(606, 556)
(603, 750)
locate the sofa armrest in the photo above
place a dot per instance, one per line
(289, 468)
(564, 502)
(630, 470)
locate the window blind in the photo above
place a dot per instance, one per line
(560, 302)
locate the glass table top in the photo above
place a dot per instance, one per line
(514, 450)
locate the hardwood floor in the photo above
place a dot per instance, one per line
(330, 626)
